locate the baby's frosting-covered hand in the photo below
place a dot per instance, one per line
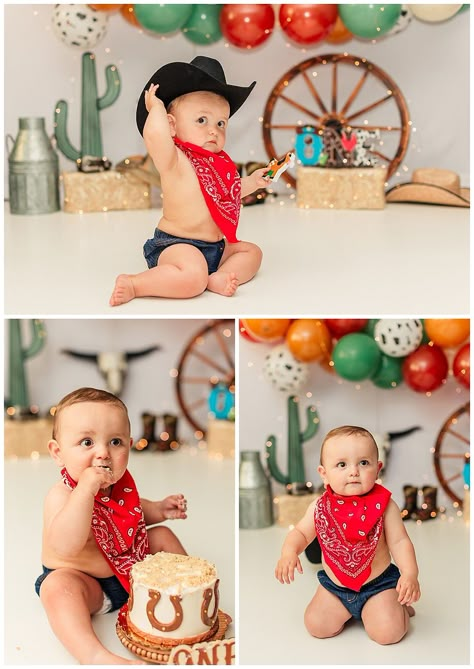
(173, 507)
(285, 569)
(408, 589)
(95, 479)
(150, 97)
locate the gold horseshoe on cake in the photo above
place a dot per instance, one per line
(207, 596)
(150, 611)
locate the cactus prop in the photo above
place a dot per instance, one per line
(18, 386)
(91, 137)
(295, 480)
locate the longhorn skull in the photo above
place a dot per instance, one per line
(112, 366)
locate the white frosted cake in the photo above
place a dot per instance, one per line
(174, 599)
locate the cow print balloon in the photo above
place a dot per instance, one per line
(284, 371)
(79, 26)
(398, 338)
(403, 21)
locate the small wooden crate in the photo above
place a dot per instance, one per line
(344, 188)
(24, 437)
(289, 509)
(104, 191)
(221, 438)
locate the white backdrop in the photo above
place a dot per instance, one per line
(343, 402)
(429, 62)
(148, 386)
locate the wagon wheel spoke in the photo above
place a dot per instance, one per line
(458, 436)
(451, 455)
(453, 478)
(276, 126)
(209, 361)
(375, 104)
(314, 92)
(387, 128)
(295, 104)
(224, 349)
(354, 93)
(334, 88)
(195, 379)
(379, 155)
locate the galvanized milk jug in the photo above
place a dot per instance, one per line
(33, 173)
(255, 494)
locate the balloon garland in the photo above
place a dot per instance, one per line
(247, 26)
(385, 351)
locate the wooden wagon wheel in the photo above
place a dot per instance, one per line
(451, 450)
(324, 90)
(207, 359)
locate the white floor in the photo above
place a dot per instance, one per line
(271, 627)
(400, 260)
(208, 532)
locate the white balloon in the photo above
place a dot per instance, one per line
(79, 26)
(398, 338)
(434, 13)
(403, 21)
(284, 371)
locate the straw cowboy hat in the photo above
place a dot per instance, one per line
(201, 74)
(431, 186)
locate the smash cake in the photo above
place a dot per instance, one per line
(174, 599)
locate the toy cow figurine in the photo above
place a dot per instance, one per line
(112, 365)
(276, 167)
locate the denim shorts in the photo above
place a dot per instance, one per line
(212, 251)
(115, 594)
(354, 601)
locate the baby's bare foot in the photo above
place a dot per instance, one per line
(410, 610)
(105, 657)
(224, 283)
(123, 290)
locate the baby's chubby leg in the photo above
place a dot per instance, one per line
(163, 539)
(325, 615)
(181, 273)
(385, 619)
(70, 598)
(239, 264)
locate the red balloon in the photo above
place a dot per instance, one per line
(307, 24)
(247, 26)
(425, 369)
(339, 327)
(462, 365)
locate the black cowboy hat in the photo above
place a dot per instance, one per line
(201, 74)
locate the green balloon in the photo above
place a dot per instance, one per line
(203, 27)
(425, 339)
(162, 19)
(370, 327)
(389, 374)
(369, 21)
(356, 356)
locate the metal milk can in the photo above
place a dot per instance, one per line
(255, 494)
(33, 173)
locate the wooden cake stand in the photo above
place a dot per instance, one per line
(158, 654)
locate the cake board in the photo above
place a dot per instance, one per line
(160, 654)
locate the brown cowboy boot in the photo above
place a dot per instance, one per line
(410, 509)
(428, 509)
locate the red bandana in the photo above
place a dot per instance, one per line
(118, 525)
(220, 185)
(349, 528)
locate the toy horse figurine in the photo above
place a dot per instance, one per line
(277, 167)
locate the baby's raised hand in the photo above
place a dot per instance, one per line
(150, 97)
(285, 569)
(94, 479)
(260, 180)
(174, 506)
(408, 589)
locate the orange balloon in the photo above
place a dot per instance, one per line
(266, 329)
(447, 332)
(128, 14)
(339, 33)
(105, 8)
(309, 339)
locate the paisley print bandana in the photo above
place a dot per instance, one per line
(348, 529)
(220, 185)
(118, 525)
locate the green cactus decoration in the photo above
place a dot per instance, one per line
(295, 480)
(18, 386)
(91, 137)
